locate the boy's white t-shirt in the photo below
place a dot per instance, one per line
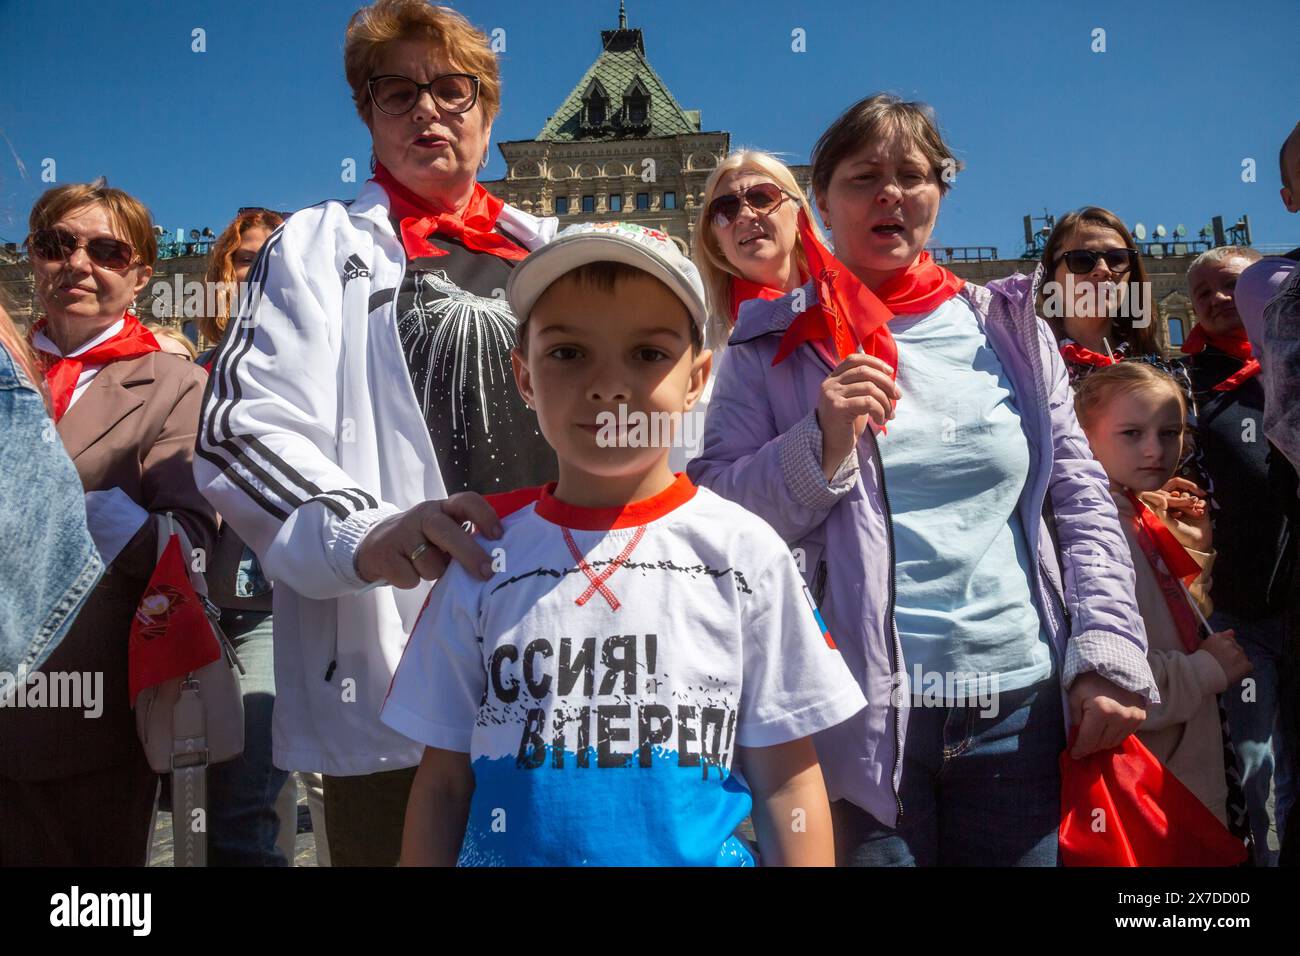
(600, 697)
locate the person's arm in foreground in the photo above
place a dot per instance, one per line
(437, 809)
(792, 818)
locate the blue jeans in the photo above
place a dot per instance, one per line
(1265, 753)
(976, 791)
(242, 822)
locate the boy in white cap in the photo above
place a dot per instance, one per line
(646, 666)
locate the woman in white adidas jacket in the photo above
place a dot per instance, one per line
(364, 396)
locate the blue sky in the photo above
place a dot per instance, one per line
(1156, 127)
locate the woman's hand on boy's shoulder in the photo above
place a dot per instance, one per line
(417, 544)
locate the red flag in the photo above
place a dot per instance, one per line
(170, 634)
(1122, 807)
(1179, 563)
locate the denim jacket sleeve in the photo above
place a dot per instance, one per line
(49, 564)
(1108, 636)
(776, 475)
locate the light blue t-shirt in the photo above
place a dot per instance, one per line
(956, 461)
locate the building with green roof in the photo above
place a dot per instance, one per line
(619, 146)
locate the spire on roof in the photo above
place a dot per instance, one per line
(620, 96)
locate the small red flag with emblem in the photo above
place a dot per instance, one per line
(170, 634)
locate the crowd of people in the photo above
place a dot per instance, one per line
(479, 631)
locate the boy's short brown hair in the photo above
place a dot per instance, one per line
(605, 275)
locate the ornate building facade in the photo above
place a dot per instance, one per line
(619, 146)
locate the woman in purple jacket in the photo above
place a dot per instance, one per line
(967, 559)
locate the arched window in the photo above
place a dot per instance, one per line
(1175, 331)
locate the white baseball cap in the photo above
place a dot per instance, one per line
(650, 250)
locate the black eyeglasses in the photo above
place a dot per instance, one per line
(1083, 261)
(761, 197)
(55, 244)
(452, 92)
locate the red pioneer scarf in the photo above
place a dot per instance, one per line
(62, 372)
(742, 290)
(1235, 344)
(1075, 353)
(1171, 564)
(850, 315)
(922, 287)
(474, 228)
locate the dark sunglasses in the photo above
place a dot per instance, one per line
(1083, 261)
(56, 244)
(761, 197)
(452, 92)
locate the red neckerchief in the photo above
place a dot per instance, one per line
(850, 315)
(1075, 353)
(1235, 344)
(1171, 563)
(846, 314)
(742, 290)
(418, 219)
(922, 287)
(62, 372)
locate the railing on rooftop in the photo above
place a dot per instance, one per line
(172, 249)
(1175, 247)
(963, 253)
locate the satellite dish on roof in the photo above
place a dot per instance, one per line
(1139, 232)
(1180, 230)
(1161, 231)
